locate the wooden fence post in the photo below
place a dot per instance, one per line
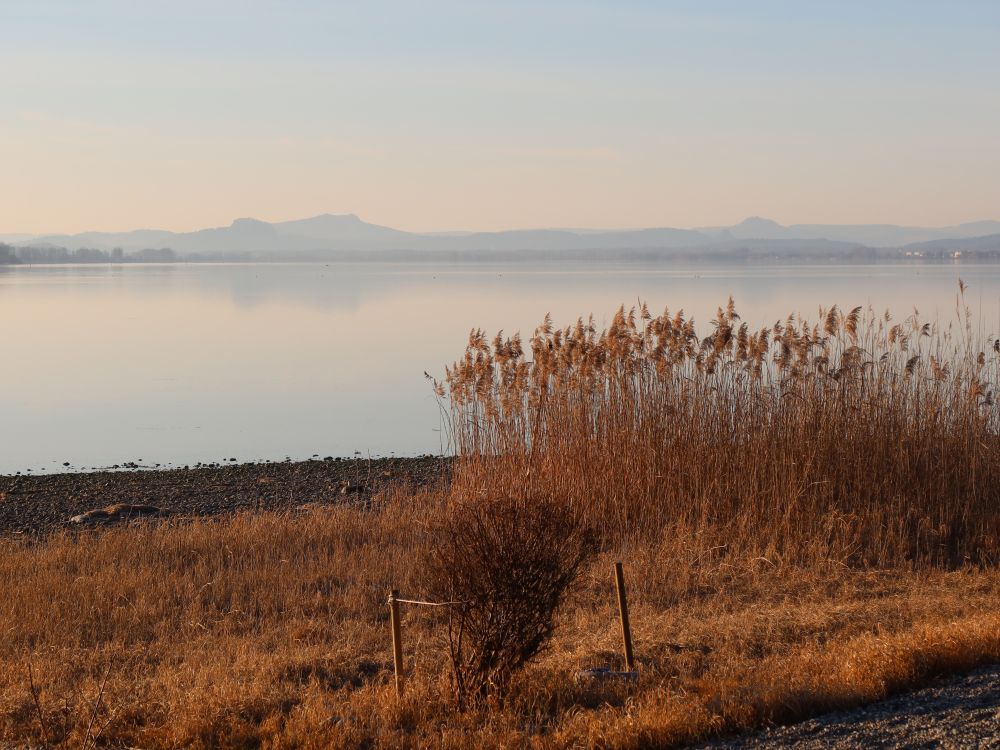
(397, 640)
(623, 615)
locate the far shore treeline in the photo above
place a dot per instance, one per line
(754, 252)
(10, 255)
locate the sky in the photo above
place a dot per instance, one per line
(464, 115)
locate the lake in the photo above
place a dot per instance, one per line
(181, 363)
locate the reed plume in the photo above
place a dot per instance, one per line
(857, 439)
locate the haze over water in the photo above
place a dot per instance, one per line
(176, 364)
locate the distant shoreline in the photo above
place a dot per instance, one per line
(528, 258)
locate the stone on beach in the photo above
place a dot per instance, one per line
(117, 512)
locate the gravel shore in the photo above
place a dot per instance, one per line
(36, 505)
(956, 713)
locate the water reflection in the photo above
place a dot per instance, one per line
(185, 363)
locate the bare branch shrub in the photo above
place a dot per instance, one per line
(507, 564)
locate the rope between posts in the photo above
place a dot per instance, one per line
(397, 640)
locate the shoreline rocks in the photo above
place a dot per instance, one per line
(36, 505)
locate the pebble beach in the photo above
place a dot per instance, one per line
(36, 505)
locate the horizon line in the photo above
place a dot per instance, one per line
(540, 228)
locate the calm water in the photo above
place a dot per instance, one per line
(184, 363)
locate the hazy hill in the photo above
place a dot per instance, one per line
(872, 235)
(134, 240)
(562, 239)
(989, 242)
(348, 233)
(339, 228)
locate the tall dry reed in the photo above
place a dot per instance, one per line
(856, 439)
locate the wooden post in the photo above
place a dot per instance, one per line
(397, 640)
(623, 614)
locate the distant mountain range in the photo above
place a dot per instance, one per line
(330, 233)
(869, 235)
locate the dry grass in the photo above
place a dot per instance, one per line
(808, 518)
(272, 631)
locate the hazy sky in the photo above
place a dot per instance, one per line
(437, 115)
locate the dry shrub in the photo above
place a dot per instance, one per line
(506, 564)
(856, 439)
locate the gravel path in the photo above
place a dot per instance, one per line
(959, 712)
(36, 505)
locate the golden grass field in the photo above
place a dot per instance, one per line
(272, 631)
(808, 518)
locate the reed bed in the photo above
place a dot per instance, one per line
(855, 439)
